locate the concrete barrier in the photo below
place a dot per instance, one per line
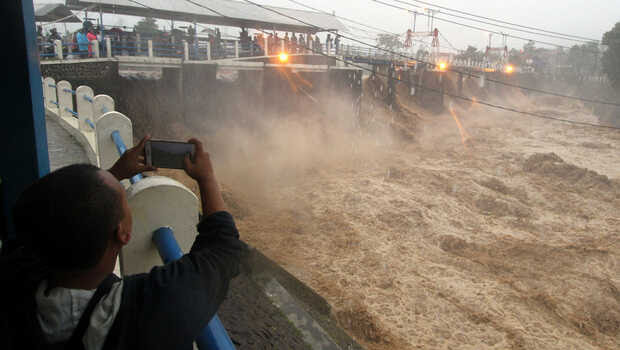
(84, 100)
(49, 93)
(104, 126)
(102, 104)
(158, 202)
(65, 101)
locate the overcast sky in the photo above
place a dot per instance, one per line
(578, 17)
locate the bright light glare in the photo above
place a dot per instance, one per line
(283, 58)
(510, 69)
(443, 66)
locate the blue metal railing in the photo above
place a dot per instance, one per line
(120, 146)
(214, 335)
(74, 113)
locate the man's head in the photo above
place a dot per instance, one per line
(74, 217)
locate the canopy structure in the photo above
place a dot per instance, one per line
(223, 12)
(58, 13)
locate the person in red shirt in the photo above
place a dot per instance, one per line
(91, 36)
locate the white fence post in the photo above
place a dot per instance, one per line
(282, 46)
(65, 101)
(84, 100)
(102, 104)
(208, 51)
(145, 201)
(108, 123)
(266, 46)
(150, 46)
(108, 47)
(95, 44)
(58, 49)
(185, 50)
(236, 49)
(138, 42)
(49, 91)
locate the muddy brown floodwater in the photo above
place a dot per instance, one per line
(510, 240)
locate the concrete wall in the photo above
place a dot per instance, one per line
(146, 102)
(195, 96)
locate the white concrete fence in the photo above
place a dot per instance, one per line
(147, 48)
(156, 201)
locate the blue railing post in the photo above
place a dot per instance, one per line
(120, 146)
(214, 335)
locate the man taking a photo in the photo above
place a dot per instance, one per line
(58, 289)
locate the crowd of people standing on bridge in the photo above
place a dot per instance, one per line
(79, 44)
(296, 43)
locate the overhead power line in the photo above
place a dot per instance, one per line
(341, 17)
(583, 99)
(500, 21)
(474, 27)
(503, 26)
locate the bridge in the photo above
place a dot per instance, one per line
(138, 52)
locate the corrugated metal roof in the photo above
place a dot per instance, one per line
(237, 14)
(54, 12)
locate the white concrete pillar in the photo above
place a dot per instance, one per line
(95, 45)
(84, 100)
(282, 46)
(156, 202)
(208, 51)
(185, 50)
(65, 101)
(49, 92)
(108, 47)
(138, 42)
(102, 104)
(58, 49)
(482, 80)
(150, 46)
(106, 149)
(236, 49)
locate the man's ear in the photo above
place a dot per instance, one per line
(123, 236)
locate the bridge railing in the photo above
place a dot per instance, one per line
(214, 335)
(226, 49)
(156, 201)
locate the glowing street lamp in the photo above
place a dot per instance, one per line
(443, 66)
(283, 57)
(509, 69)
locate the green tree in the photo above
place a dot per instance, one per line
(584, 59)
(471, 53)
(147, 25)
(389, 41)
(529, 49)
(611, 57)
(515, 57)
